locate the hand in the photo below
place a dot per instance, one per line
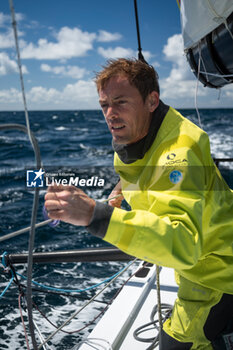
(116, 202)
(69, 204)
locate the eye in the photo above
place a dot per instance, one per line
(121, 102)
(104, 105)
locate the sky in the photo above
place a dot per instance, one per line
(64, 42)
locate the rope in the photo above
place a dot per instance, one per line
(21, 294)
(217, 75)
(163, 311)
(41, 337)
(159, 297)
(91, 322)
(36, 193)
(75, 290)
(85, 305)
(7, 287)
(23, 230)
(222, 19)
(93, 342)
(21, 315)
(166, 311)
(14, 25)
(196, 90)
(12, 275)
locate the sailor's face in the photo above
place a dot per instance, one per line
(127, 115)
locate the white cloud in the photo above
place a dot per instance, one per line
(121, 52)
(180, 83)
(6, 39)
(105, 36)
(155, 64)
(80, 95)
(9, 66)
(174, 53)
(146, 54)
(116, 52)
(11, 97)
(74, 72)
(228, 91)
(83, 93)
(4, 19)
(69, 43)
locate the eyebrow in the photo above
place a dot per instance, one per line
(114, 98)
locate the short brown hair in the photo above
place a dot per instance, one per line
(140, 74)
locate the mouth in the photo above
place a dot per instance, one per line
(117, 128)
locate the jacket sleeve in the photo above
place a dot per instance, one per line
(169, 233)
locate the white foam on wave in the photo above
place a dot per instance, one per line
(81, 145)
(61, 128)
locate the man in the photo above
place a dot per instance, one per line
(181, 208)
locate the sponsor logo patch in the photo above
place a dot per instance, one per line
(175, 176)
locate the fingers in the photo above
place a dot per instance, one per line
(54, 205)
(55, 188)
(116, 202)
(56, 214)
(69, 204)
(61, 192)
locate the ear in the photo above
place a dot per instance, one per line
(153, 101)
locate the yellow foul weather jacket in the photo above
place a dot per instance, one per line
(181, 208)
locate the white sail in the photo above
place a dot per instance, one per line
(200, 17)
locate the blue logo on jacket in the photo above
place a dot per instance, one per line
(175, 176)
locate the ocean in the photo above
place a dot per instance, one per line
(70, 142)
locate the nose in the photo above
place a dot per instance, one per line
(110, 113)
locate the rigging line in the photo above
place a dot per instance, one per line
(23, 230)
(159, 298)
(140, 55)
(78, 311)
(6, 269)
(41, 337)
(98, 315)
(75, 331)
(196, 90)
(223, 19)
(217, 75)
(36, 193)
(29, 267)
(95, 341)
(7, 287)
(73, 290)
(79, 297)
(14, 25)
(21, 315)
